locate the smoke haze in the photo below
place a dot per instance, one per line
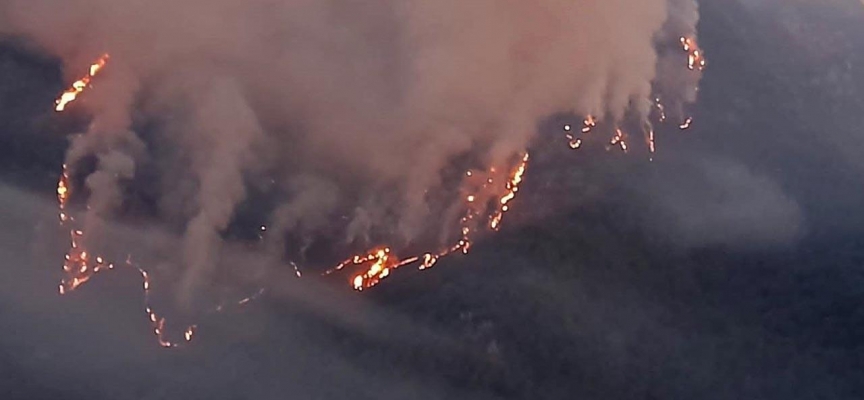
(727, 268)
(372, 101)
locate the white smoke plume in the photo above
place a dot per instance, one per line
(368, 102)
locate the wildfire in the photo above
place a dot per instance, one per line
(190, 332)
(695, 57)
(619, 140)
(485, 206)
(574, 142)
(686, 124)
(380, 269)
(588, 125)
(512, 187)
(63, 193)
(382, 262)
(80, 265)
(80, 85)
(652, 146)
(661, 109)
(696, 61)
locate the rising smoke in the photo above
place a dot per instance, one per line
(351, 105)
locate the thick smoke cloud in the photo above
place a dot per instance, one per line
(367, 102)
(582, 305)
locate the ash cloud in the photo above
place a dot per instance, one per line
(373, 99)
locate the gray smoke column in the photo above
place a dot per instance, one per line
(115, 146)
(374, 98)
(222, 128)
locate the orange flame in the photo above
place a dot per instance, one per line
(383, 262)
(652, 146)
(512, 187)
(588, 125)
(80, 85)
(619, 140)
(695, 57)
(80, 265)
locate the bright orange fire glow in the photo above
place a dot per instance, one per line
(588, 125)
(695, 56)
(63, 193)
(382, 262)
(80, 265)
(512, 188)
(651, 142)
(485, 206)
(80, 85)
(619, 140)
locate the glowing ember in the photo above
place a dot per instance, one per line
(650, 139)
(686, 124)
(575, 142)
(379, 269)
(80, 85)
(695, 57)
(619, 140)
(190, 332)
(297, 271)
(429, 261)
(661, 109)
(512, 187)
(63, 187)
(588, 124)
(79, 269)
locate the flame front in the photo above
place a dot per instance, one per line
(512, 188)
(80, 85)
(382, 262)
(80, 265)
(485, 204)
